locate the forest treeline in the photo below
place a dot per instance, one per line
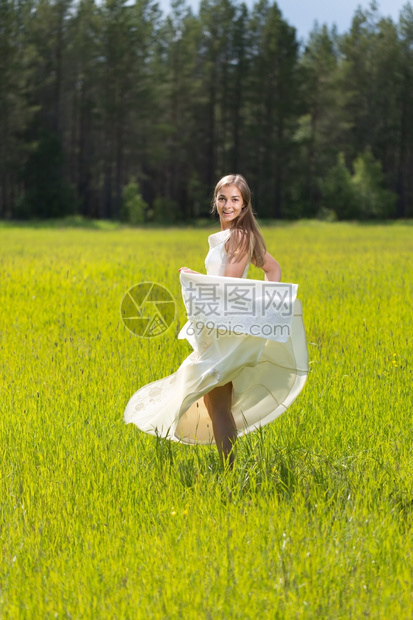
(114, 110)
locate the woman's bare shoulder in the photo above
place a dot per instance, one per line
(235, 239)
(237, 236)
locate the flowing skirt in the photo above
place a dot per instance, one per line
(267, 376)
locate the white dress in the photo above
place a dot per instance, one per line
(267, 374)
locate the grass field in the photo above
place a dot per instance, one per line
(101, 521)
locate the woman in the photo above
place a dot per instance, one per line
(244, 371)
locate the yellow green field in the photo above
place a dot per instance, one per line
(101, 521)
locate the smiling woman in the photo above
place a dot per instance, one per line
(232, 202)
(250, 357)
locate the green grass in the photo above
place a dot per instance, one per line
(101, 521)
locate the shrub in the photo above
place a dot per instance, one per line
(338, 191)
(373, 201)
(361, 195)
(133, 205)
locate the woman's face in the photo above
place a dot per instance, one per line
(229, 204)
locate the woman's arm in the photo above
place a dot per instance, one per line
(271, 269)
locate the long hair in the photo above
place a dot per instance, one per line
(239, 245)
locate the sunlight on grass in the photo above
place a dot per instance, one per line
(100, 521)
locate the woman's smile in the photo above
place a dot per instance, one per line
(229, 203)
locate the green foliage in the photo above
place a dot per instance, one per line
(338, 192)
(373, 201)
(326, 215)
(47, 193)
(133, 206)
(198, 195)
(101, 521)
(184, 98)
(359, 195)
(165, 210)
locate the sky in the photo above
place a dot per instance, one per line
(303, 13)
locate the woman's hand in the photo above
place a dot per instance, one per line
(187, 270)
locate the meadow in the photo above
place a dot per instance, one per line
(99, 520)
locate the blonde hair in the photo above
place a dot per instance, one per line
(240, 244)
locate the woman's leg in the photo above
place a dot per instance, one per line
(218, 402)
